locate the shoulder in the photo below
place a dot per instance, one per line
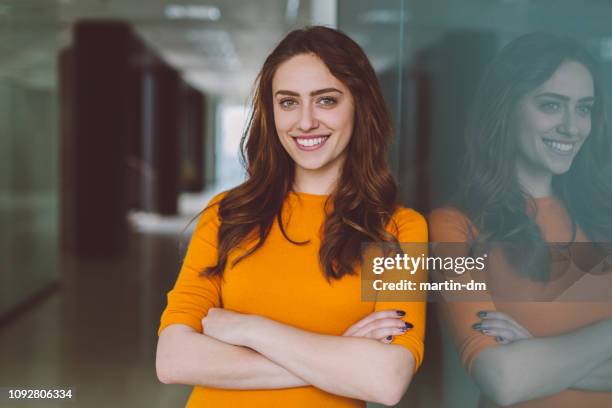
(210, 213)
(408, 225)
(449, 224)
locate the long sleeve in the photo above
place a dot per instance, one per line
(193, 295)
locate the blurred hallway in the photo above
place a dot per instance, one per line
(97, 334)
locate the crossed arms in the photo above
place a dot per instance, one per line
(239, 351)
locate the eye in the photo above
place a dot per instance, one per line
(550, 107)
(287, 103)
(584, 110)
(327, 101)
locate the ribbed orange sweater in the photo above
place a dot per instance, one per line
(284, 282)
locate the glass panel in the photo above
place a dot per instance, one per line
(28, 151)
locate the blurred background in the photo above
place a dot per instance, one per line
(119, 119)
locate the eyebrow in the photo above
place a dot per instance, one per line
(563, 97)
(313, 93)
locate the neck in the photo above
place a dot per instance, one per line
(536, 182)
(320, 181)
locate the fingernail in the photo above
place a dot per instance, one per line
(499, 339)
(400, 313)
(476, 326)
(482, 314)
(408, 325)
(389, 338)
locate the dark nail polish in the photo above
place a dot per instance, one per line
(482, 314)
(499, 339)
(400, 313)
(408, 325)
(389, 338)
(477, 326)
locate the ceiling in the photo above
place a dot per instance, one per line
(221, 57)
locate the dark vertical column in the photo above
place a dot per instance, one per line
(192, 140)
(167, 137)
(101, 65)
(210, 123)
(135, 166)
(67, 86)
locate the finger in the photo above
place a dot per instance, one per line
(382, 314)
(502, 316)
(381, 324)
(499, 327)
(494, 315)
(504, 328)
(506, 334)
(380, 334)
(502, 340)
(360, 326)
(492, 324)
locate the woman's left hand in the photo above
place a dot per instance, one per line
(501, 326)
(225, 325)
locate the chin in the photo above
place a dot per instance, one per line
(310, 165)
(560, 168)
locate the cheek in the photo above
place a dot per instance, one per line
(537, 122)
(340, 119)
(585, 127)
(283, 120)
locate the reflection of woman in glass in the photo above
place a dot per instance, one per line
(537, 157)
(266, 310)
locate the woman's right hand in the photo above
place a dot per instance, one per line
(381, 326)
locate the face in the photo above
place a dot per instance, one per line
(313, 114)
(554, 120)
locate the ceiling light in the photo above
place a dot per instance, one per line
(178, 12)
(384, 17)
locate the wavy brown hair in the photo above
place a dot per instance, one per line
(365, 197)
(492, 196)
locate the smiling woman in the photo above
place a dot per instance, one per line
(553, 122)
(538, 157)
(267, 307)
(309, 120)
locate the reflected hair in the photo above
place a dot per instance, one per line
(365, 198)
(493, 198)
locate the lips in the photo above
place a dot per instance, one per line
(310, 143)
(562, 148)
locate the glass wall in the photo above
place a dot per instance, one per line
(430, 56)
(29, 196)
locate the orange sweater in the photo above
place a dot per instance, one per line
(540, 318)
(284, 282)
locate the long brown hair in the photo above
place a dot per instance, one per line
(492, 196)
(365, 198)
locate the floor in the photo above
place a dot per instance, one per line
(97, 335)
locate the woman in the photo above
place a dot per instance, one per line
(266, 310)
(538, 153)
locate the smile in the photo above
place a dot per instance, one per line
(562, 148)
(310, 143)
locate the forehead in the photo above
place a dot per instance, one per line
(571, 79)
(303, 74)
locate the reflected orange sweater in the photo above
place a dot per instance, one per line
(284, 282)
(542, 319)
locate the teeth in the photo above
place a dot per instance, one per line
(310, 142)
(560, 147)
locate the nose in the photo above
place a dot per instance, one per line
(308, 121)
(569, 126)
